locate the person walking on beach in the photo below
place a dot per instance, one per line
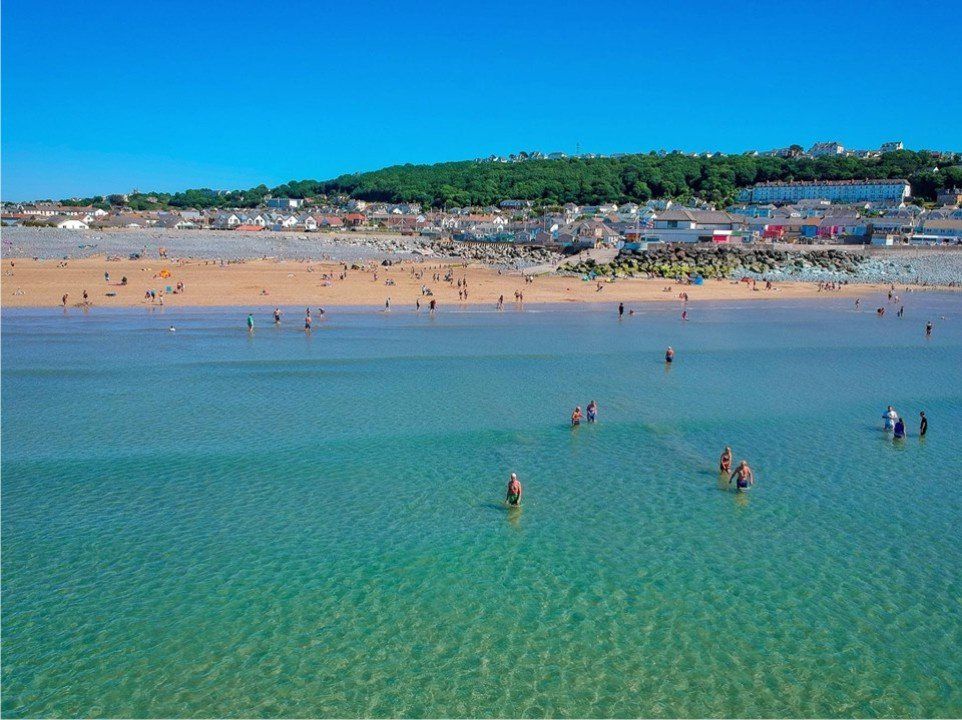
(387, 305)
(417, 304)
(743, 476)
(923, 424)
(592, 411)
(669, 355)
(250, 323)
(277, 316)
(106, 276)
(63, 300)
(621, 310)
(576, 416)
(725, 461)
(513, 498)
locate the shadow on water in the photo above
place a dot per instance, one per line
(511, 512)
(723, 480)
(500, 507)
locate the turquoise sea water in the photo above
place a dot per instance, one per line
(210, 524)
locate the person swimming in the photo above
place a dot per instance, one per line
(899, 431)
(928, 329)
(890, 416)
(743, 476)
(923, 424)
(669, 355)
(576, 416)
(513, 497)
(725, 461)
(592, 411)
(277, 316)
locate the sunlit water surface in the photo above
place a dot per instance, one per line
(203, 523)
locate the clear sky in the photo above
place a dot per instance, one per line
(108, 96)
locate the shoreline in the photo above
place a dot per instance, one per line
(32, 283)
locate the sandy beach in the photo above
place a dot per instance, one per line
(42, 283)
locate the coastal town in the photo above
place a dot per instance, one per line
(855, 212)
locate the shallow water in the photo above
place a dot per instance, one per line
(209, 524)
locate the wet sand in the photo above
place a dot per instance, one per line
(31, 283)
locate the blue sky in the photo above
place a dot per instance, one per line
(105, 97)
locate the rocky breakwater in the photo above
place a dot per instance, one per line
(501, 254)
(724, 262)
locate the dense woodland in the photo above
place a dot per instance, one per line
(635, 178)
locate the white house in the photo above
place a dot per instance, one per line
(285, 203)
(826, 148)
(226, 221)
(681, 225)
(66, 223)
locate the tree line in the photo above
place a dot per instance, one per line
(584, 181)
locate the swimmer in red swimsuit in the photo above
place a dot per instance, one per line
(725, 463)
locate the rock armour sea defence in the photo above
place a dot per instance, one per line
(722, 262)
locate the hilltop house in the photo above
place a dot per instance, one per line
(826, 148)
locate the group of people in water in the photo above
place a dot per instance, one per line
(894, 299)
(277, 314)
(591, 414)
(742, 476)
(894, 423)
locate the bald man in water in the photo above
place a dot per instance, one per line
(514, 491)
(743, 477)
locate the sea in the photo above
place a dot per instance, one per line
(208, 522)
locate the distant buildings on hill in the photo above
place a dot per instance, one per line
(819, 149)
